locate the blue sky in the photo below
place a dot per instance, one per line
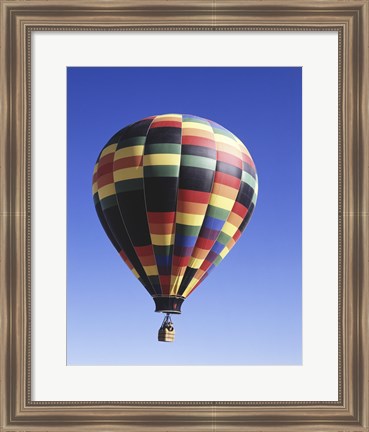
(249, 310)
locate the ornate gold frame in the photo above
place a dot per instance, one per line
(18, 19)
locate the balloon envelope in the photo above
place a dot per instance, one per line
(174, 193)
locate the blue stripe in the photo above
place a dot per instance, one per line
(213, 223)
(163, 260)
(185, 241)
(217, 248)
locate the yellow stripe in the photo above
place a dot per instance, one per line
(94, 188)
(162, 239)
(129, 151)
(110, 149)
(95, 168)
(135, 273)
(235, 151)
(222, 139)
(194, 125)
(243, 148)
(197, 277)
(128, 173)
(190, 287)
(151, 270)
(229, 229)
(162, 159)
(167, 117)
(224, 252)
(199, 133)
(175, 283)
(221, 202)
(195, 262)
(106, 191)
(189, 219)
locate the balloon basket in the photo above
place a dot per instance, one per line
(166, 332)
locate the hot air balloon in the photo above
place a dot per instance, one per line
(174, 193)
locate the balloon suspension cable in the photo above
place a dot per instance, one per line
(166, 331)
(167, 322)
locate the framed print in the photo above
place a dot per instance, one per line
(184, 120)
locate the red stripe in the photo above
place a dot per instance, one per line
(248, 160)
(147, 260)
(199, 141)
(165, 279)
(106, 159)
(165, 284)
(105, 169)
(161, 228)
(205, 265)
(126, 260)
(227, 180)
(229, 159)
(237, 235)
(239, 209)
(161, 217)
(105, 180)
(180, 261)
(193, 196)
(166, 123)
(128, 162)
(204, 243)
(144, 250)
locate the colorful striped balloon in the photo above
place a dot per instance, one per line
(174, 193)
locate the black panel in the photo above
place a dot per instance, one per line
(245, 194)
(229, 169)
(197, 179)
(134, 130)
(199, 151)
(161, 194)
(247, 218)
(119, 231)
(164, 135)
(133, 211)
(188, 276)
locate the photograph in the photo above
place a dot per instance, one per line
(184, 198)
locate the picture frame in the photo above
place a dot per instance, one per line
(19, 18)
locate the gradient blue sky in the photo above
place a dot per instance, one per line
(249, 310)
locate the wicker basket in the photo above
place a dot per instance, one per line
(166, 334)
